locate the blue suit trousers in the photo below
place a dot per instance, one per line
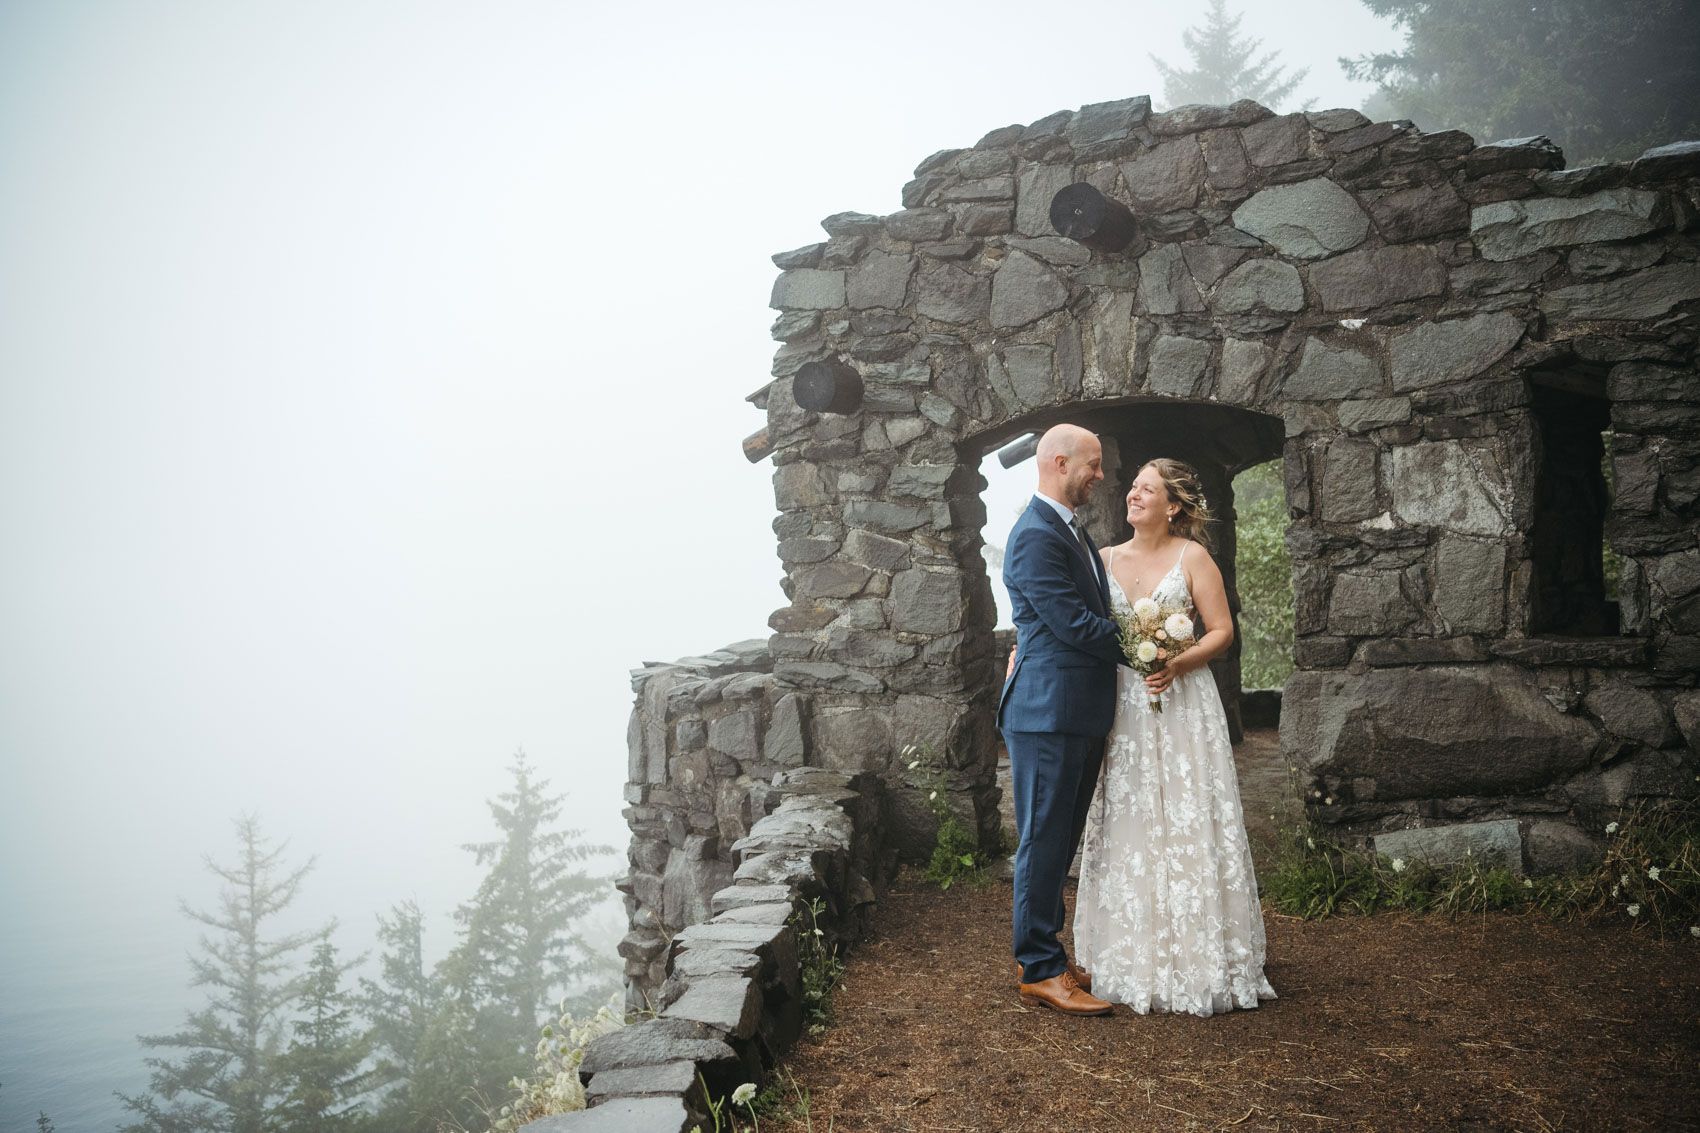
(1054, 776)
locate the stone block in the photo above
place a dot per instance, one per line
(1025, 290)
(1440, 732)
(1348, 482)
(621, 1115)
(1457, 486)
(786, 742)
(951, 293)
(927, 601)
(730, 1005)
(831, 580)
(656, 1042)
(1377, 277)
(1469, 585)
(1023, 376)
(1166, 286)
(1166, 177)
(1558, 846)
(1244, 363)
(808, 289)
(919, 224)
(880, 280)
(1106, 127)
(1035, 186)
(1362, 415)
(1420, 212)
(1432, 354)
(1640, 295)
(675, 1079)
(1488, 844)
(1275, 141)
(1506, 230)
(1262, 286)
(1363, 603)
(1192, 118)
(1178, 366)
(1643, 381)
(1630, 712)
(1326, 372)
(1309, 220)
(1000, 188)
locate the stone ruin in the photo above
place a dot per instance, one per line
(1476, 365)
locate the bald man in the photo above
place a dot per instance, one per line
(1057, 706)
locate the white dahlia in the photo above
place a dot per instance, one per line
(1179, 627)
(1146, 608)
(1147, 651)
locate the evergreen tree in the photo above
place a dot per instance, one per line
(522, 941)
(1225, 67)
(226, 1079)
(411, 1029)
(320, 1075)
(1603, 80)
(43, 1123)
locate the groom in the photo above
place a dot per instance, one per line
(1057, 706)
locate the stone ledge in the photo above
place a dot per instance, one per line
(1605, 651)
(731, 1001)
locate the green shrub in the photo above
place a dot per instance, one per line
(1263, 575)
(957, 855)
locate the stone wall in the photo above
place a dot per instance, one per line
(1440, 340)
(1406, 318)
(730, 997)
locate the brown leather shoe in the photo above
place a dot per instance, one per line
(1081, 975)
(1061, 993)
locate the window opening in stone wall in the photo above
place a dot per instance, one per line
(1569, 555)
(1264, 575)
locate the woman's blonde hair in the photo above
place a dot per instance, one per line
(1185, 490)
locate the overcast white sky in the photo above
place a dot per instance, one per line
(371, 384)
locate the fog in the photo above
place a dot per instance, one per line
(371, 384)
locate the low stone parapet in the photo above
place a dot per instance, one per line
(732, 999)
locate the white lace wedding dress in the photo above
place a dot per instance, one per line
(1166, 915)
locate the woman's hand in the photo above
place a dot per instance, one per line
(1158, 683)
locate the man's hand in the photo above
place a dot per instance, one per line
(1010, 672)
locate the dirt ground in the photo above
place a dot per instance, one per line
(1393, 1022)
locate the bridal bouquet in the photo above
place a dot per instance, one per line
(1153, 634)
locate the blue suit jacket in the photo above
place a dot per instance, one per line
(1067, 645)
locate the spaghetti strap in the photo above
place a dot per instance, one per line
(1184, 545)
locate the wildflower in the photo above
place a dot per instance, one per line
(1653, 872)
(818, 932)
(1528, 883)
(1311, 842)
(1611, 828)
(1398, 865)
(1694, 930)
(1624, 881)
(931, 795)
(743, 1094)
(1329, 801)
(1634, 910)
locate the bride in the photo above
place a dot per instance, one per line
(1166, 915)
